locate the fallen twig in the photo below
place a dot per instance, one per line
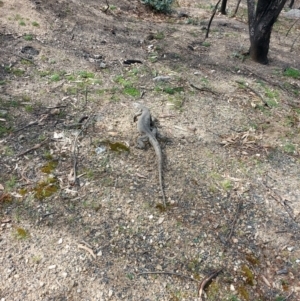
(84, 126)
(204, 282)
(26, 126)
(254, 91)
(287, 297)
(33, 148)
(204, 89)
(238, 210)
(167, 273)
(211, 18)
(283, 203)
(236, 8)
(87, 249)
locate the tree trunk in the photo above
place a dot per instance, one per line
(291, 4)
(223, 7)
(261, 22)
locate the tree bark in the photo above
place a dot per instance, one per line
(261, 22)
(223, 7)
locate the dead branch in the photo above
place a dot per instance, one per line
(167, 273)
(204, 282)
(33, 148)
(283, 203)
(211, 18)
(292, 27)
(268, 81)
(87, 249)
(26, 126)
(236, 8)
(84, 126)
(233, 224)
(205, 89)
(254, 91)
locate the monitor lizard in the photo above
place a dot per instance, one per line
(145, 126)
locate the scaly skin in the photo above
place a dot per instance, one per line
(145, 127)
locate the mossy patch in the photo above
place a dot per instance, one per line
(46, 188)
(49, 166)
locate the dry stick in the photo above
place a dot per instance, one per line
(268, 81)
(204, 89)
(22, 57)
(26, 126)
(107, 7)
(33, 148)
(74, 149)
(292, 27)
(287, 297)
(211, 18)
(238, 210)
(167, 273)
(236, 9)
(254, 91)
(294, 42)
(278, 199)
(204, 282)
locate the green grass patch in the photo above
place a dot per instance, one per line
(28, 37)
(86, 74)
(35, 24)
(292, 72)
(55, 77)
(131, 91)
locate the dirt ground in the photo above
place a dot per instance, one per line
(231, 154)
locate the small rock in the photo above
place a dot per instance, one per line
(110, 293)
(102, 65)
(235, 240)
(290, 249)
(60, 241)
(161, 78)
(232, 288)
(51, 267)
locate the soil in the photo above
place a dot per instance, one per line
(81, 215)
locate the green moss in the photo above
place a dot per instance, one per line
(45, 188)
(49, 166)
(243, 292)
(252, 259)
(21, 233)
(248, 274)
(118, 146)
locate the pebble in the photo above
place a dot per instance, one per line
(51, 267)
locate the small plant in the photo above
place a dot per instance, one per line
(291, 72)
(163, 6)
(85, 74)
(29, 108)
(21, 233)
(35, 24)
(131, 91)
(159, 36)
(22, 23)
(55, 77)
(28, 37)
(11, 183)
(289, 148)
(206, 44)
